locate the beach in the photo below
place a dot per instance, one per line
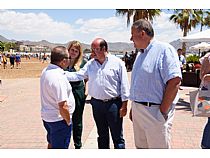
(29, 69)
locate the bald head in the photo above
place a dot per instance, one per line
(100, 42)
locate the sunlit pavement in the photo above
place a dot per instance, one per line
(21, 126)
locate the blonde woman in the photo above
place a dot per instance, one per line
(78, 89)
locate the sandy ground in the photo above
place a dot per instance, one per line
(29, 69)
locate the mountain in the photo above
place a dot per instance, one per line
(118, 46)
(113, 47)
(3, 39)
(177, 44)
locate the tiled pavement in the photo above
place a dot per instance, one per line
(21, 126)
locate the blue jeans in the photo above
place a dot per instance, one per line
(205, 143)
(106, 116)
(58, 134)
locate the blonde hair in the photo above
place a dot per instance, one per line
(79, 59)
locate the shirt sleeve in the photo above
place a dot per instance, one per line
(79, 75)
(124, 83)
(169, 65)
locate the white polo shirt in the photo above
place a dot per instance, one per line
(55, 88)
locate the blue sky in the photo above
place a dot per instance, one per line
(64, 25)
(71, 15)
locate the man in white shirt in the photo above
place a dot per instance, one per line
(182, 59)
(57, 100)
(109, 88)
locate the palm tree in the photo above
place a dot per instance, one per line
(205, 18)
(186, 19)
(2, 46)
(137, 14)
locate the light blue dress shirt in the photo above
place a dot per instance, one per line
(105, 80)
(152, 69)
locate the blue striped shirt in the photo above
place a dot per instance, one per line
(105, 80)
(152, 69)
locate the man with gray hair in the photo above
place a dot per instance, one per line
(57, 100)
(155, 81)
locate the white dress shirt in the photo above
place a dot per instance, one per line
(105, 81)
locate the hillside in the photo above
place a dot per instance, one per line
(118, 46)
(115, 47)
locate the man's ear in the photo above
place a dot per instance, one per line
(103, 48)
(62, 63)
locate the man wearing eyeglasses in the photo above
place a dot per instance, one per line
(108, 87)
(57, 100)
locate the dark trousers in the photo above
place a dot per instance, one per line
(58, 134)
(106, 116)
(79, 96)
(205, 144)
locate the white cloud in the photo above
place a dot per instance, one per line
(34, 26)
(99, 24)
(39, 26)
(166, 30)
(113, 29)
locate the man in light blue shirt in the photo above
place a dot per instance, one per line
(155, 81)
(109, 88)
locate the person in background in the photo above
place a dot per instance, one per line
(126, 58)
(205, 76)
(12, 61)
(108, 87)
(155, 81)
(17, 60)
(78, 88)
(44, 58)
(0, 58)
(182, 60)
(57, 100)
(4, 60)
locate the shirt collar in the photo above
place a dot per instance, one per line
(53, 66)
(106, 58)
(149, 46)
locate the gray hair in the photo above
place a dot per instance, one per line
(144, 25)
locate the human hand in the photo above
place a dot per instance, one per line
(123, 111)
(165, 115)
(68, 122)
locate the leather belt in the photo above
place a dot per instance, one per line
(146, 103)
(107, 100)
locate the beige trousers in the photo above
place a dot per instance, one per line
(151, 130)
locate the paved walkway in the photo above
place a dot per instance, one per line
(21, 125)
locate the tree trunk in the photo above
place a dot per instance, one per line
(184, 43)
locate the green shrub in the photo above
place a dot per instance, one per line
(193, 59)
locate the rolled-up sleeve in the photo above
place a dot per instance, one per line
(169, 65)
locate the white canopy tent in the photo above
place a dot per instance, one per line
(201, 46)
(203, 36)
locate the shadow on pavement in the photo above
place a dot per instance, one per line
(183, 105)
(87, 101)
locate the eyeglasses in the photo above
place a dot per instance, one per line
(95, 49)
